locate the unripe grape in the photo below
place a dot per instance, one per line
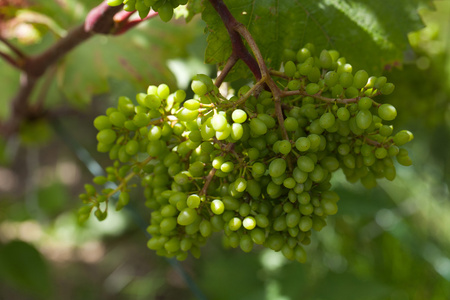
(290, 68)
(294, 85)
(387, 112)
(239, 116)
(102, 122)
(403, 137)
(235, 224)
(365, 103)
(331, 78)
(387, 89)
(380, 82)
(346, 79)
(106, 136)
(258, 127)
(360, 79)
(205, 228)
(275, 242)
(114, 2)
(165, 12)
(277, 167)
(187, 216)
(291, 124)
(285, 147)
(132, 147)
(305, 164)
(325, 59)
(327, 120)
(363, 119)
(303, 54)
(240, 184)
(193, 201)
(246, 243)
(249, 223)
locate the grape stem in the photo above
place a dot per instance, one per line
(232, 60)
(237, 30)
(100, 20)
(238, 48)
(127, 178)
(211, 173)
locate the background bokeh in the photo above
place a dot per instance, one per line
(391, 242)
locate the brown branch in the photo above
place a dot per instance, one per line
(10, 60)
(100, 20)
(123, 25)
(232, 60)
(237, 45)
(12, 48)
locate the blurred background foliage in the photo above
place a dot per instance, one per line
(388, 243)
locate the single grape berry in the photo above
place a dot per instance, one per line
(387, 112)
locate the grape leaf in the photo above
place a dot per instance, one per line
(23, 267)
(137, 57)
(370, 34)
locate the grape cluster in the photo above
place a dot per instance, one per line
(163, 7)
(250, 165)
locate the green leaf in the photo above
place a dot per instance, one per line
(194, 7)
(137, 57)
(23, 267)
(370, 34)
(10, 83)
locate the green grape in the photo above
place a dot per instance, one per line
(220, 164)
(132, 147)
(117, 119)
(290, 68)
(365, 103)
(114, 2)
(240, 184)
(380, 82)
(403, 137)
(124, 199)
(199, 87)
(249, 223)
(380, 153)
(219, 122)
(329, 207)
(303, 54)
(343, 114)
(234, 224)
(327, 120)
(285, 147)
(246, 243)
(277, 167)
(165, 12)
(305, 164)
(217, 207)
(387, 112)
(187, 216)
(387, 88)
(239, 116)
(192, 104)
(346, 80)
(360, 79)
(325, 59)
(237, 131)
(312, 88)
(106, 136)
(363, 119)
(331, 78)
(291, 124)
(102, 122)
(258, 127)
